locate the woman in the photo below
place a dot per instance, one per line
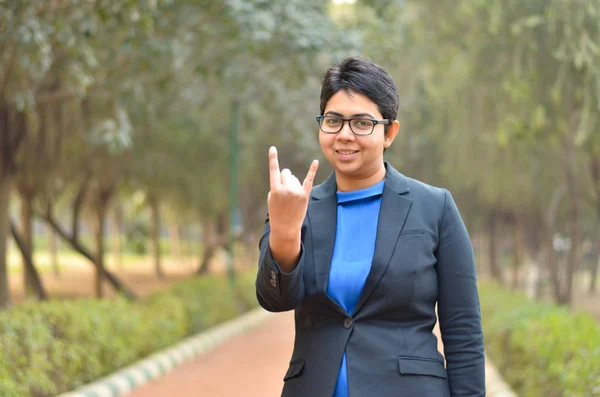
(364, 257)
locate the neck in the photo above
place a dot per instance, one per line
(347, 183)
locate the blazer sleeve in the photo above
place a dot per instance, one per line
(276, 290)
(458, 306)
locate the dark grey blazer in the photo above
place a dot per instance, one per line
(423, 255)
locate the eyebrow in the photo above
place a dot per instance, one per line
(354, 115)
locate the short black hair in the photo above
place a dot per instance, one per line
(365, 77)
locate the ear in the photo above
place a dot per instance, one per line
(392, 132)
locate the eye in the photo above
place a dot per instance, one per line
(362, 124)
(331, 121)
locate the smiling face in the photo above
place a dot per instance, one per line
(358, 160)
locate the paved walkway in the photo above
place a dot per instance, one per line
(239, 367)
(236, 368)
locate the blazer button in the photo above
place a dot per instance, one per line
(348, 323)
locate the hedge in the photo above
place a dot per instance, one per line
(52, 347)
(540, 349)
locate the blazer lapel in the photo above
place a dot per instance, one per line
(322, 215)
(392, 215)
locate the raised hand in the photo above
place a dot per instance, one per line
(288, 199)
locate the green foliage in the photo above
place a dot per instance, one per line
(136, 237)
(246, 290)
(52, 347)
(217, 304)
(542, 350)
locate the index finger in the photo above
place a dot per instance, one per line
(274, 173)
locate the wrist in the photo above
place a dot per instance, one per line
(285, 251)
(285, 236)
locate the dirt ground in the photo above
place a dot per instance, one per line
(77, 277)
(587, 302)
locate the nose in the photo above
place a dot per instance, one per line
(345, 133)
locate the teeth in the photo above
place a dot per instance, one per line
(346, 151)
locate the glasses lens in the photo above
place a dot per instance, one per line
(361, 126)
(331, 124)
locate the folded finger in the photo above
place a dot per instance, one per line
(286, 176)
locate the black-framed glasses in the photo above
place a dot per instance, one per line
(359, 125)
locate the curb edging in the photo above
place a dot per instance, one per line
(494, 383)
(145, 370)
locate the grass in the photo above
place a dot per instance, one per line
(66, 260)
(68, 257)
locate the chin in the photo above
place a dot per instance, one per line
(347, 168)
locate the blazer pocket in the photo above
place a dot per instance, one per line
(294, 370)
(410, 232)
(421, 366)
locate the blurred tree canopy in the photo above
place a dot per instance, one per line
(102, 101)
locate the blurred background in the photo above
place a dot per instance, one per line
(133, 165)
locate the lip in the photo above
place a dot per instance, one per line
(346, 156)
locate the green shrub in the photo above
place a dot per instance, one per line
(165, 321)
(541, 349)
(246, 289)
(51, 347)
(213, 305)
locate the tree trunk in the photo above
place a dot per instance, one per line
(553, 268)
(595, 172)
(35, 281)
(156, 252)
(532, 283)
(594, 269)
(27, 235)
(101, 207)
(5, 188)
(53, 247)
(77, 246)
(492, 249)
(518, 250)
(117, 222)
(12, 134)
(572, 256)
(209, 245)
(574, 200)
(175, 240)
(534, 254)
(548, 243)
